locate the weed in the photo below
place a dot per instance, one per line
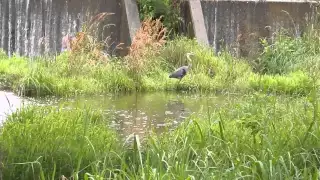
(168, 9)
(259, 136)
(85, 47)
(287, 67)
(147, 70)
(287, 53)
(146, 45)
(55, 142)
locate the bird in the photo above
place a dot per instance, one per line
(182, 71)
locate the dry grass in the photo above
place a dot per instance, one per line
(86, 44)
(149, 38)
(86, 48)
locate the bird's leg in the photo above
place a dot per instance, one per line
(179, 81)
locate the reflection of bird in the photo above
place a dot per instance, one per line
(176, 110)
(181, 71)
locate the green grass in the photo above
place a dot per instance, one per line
(258, 137)
(43, 77)
(38, 78)
(269, 134)
(55, 141)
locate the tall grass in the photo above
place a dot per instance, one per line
(38, 78)
(261, 136)
(145, 46)
(45, 143)
(284, 66)
(258, 137)
(287, 52)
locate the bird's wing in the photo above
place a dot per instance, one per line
(178, 71)
(182, 67)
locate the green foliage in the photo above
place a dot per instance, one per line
(53, 141)
(168, 9)
(2, 53)
(259, 136)
(255, 135)
(279, 57)
(40, 77)
(286, 52)
(293, 83)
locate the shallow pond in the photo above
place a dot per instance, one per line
(9, 102)
(135, 113)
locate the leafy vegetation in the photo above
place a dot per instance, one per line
(144, 73)
(36, 141)
(261, 136)
(150, 60)
(169, 10)
(258, 136)
(288, 53)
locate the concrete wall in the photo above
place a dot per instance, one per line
(238, 25)
(25, 24)
(31, 28)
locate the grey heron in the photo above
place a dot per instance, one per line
(182, 71)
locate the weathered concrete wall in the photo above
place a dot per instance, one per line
(25, 23)
(238, 25)
(197, 19)
(130, 24)
(31, 28)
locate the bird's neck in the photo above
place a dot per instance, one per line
(189, 63)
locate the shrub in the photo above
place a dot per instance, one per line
(287, 53)
(169, 10)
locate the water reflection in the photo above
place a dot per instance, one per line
(138, 113)
(147, 117)
(9, 103)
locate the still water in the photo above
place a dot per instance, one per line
(131, 113)
(9, 103)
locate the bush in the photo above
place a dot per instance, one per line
(287, 53)
(169, 10)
